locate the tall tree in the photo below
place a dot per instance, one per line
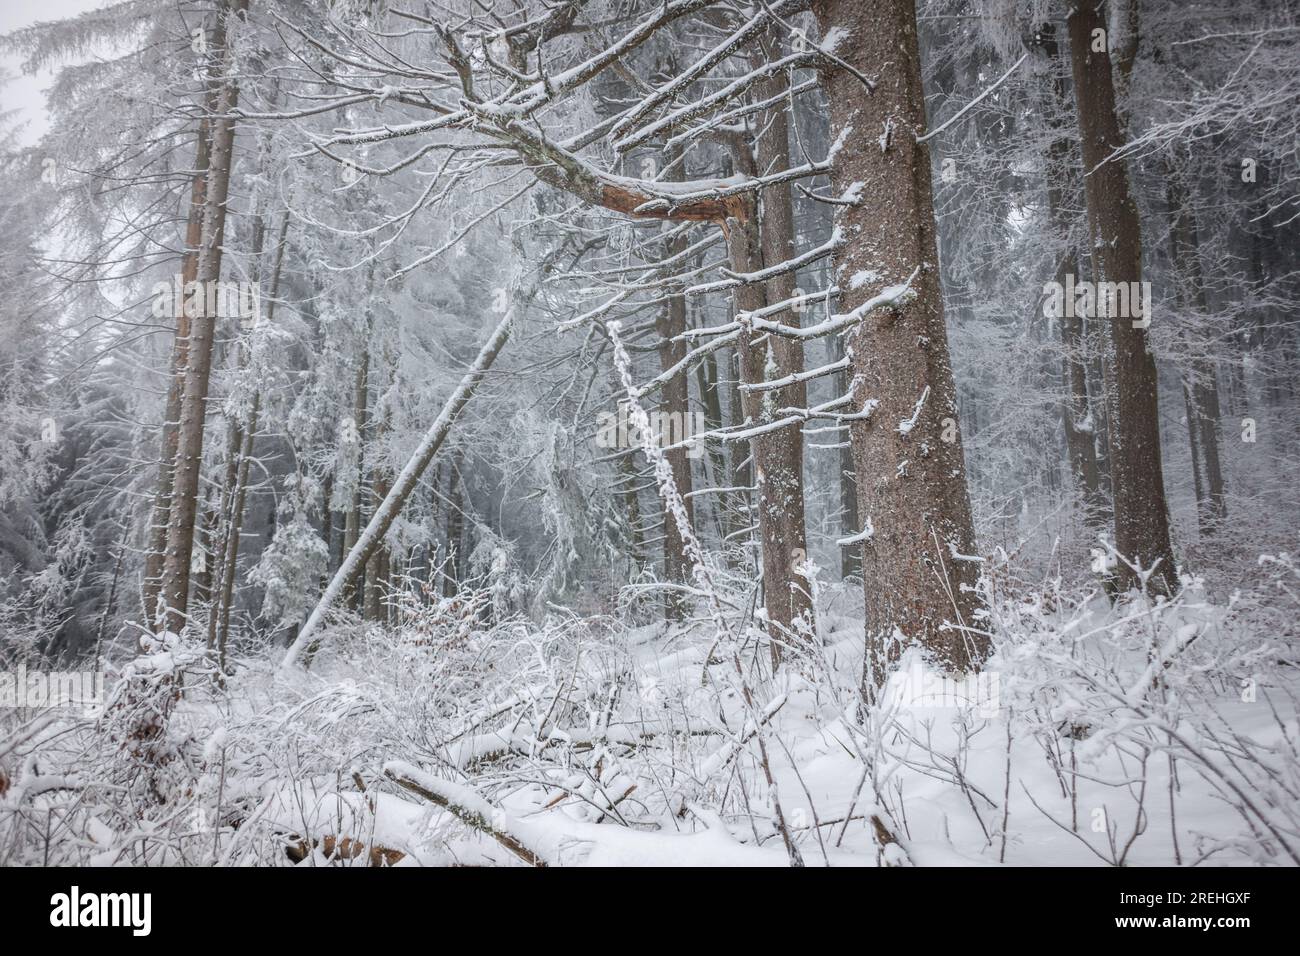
(1137, 475)
(198, 365)
(1063, 184)
(917, 538)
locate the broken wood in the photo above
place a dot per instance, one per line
(475, 813)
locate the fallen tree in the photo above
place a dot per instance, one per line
(466, 806)
(354, 564)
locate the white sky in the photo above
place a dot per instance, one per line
(27, 93)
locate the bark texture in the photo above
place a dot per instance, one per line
(918, 540)
(1137, 475)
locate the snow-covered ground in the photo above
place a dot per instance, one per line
(1132, 734)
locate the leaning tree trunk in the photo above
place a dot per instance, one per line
(1137, 476)
(198, 367)
(917, 537)
(372, 537)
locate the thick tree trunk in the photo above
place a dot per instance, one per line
(918, 541)
(194, 395)
(1137, 476)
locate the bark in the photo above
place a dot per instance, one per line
(360, 412)
(376, 587)
(627, 479)
(469, 809)
(787, 595)
(918, 571)
(740, 456)
(850, 554)
(377, 567)
(161, 509)
(1076, 411)
(711, 400)
(1194, 441)
(455, 522)
(198, 367)
(204, 553)
(675, 404)
(775, 463)
(1137, 475)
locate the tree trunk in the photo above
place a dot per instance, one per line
(373, 535)
(455, 521)
(1076, 411)
(775, 465)
(194, 395)
(1137, 476)
(781, 499)
(360, 412)
(161, 510)
(740, 456)
(918, 540)
(1200, 388)
(247, 434)
(711, 400)
(850, 554)
(376, 585)
(675, 405)
(1194, 441)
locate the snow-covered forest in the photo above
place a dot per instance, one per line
(637, 432)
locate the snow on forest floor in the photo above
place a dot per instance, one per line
(1137, 734)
